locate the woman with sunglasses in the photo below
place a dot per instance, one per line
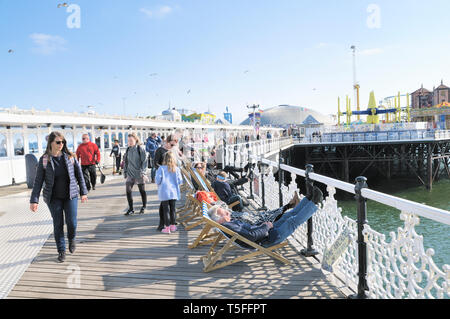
(64, 182)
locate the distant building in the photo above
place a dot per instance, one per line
(170, 115)
(204, 118)
(228, 116)
(431, 106)
(288, 115)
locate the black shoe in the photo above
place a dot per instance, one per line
(129, 212)
(142, 210)
(93, 188)
(72, 246)
(317, 197)
(160, 228)
(61, 256)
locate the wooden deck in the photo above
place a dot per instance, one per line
(126, 257)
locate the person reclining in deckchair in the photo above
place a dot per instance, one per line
(250, 217)
(268, 234)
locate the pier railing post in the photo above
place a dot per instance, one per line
(361, 182)
(250, 174)
(224, 153)
(263, 190)
(280, 179)
(309, 251)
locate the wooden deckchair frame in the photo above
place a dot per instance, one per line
(211, 259)
(205, 184)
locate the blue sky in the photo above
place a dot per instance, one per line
(227, 53)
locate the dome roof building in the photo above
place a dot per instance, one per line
(287, 115)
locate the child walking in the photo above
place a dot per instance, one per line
(168, 178)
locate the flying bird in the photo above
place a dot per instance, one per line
(10, 51)
(63, 5)
(246, 71)
(154, 74)
(189, 91)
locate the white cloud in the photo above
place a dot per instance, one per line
(159, 12)
(47, 44)
(373, 51)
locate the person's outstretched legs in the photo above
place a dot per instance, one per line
(286, 226)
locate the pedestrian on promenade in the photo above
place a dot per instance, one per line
(64, 181)
(134, 171)
(168, 178)
(88, 155)
(169, 143)
(152, 144)
(117, 156)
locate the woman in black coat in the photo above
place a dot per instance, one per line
(64, 182)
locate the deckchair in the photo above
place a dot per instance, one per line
(203, 183)
(211, 259)
(187, 189)
(194, 210)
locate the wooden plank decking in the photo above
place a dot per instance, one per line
(126, 257)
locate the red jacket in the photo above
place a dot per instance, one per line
(88, 153)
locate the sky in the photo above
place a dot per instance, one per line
(139, 57)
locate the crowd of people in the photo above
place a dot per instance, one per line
(64, 176)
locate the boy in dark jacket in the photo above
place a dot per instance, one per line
(225, 193)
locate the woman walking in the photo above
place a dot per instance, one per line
(64, 181)
(168, 178)
(134, 171)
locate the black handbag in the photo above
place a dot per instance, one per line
(102, 176)
(150, 162)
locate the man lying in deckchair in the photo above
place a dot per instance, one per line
(250, 217)
(268, 234)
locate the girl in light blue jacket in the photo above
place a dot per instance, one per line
(168, 178)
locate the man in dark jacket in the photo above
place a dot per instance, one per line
(225, 193)
(269, 234)
(152, 144)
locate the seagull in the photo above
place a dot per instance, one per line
(154, 74)
(246, 71)
(63, 5)
(189, 91)
(10, 51)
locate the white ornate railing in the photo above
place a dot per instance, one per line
(398, 268)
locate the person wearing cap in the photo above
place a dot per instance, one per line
(224, 191)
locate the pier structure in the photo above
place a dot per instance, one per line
(332, 256)
(24, 132)
(350, 250)
(424, 154)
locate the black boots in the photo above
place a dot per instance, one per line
(142, 210)
(72, 246)
(61, 256)
(317, 196)
(129, 212)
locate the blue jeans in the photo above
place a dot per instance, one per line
(60, 208)
(289, 222)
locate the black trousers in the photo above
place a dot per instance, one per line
(167, 212)
(118, 161)
(90, 175)
(129, 188)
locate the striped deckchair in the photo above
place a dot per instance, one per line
(212, 258)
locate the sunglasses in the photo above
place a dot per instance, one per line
(60, 142)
